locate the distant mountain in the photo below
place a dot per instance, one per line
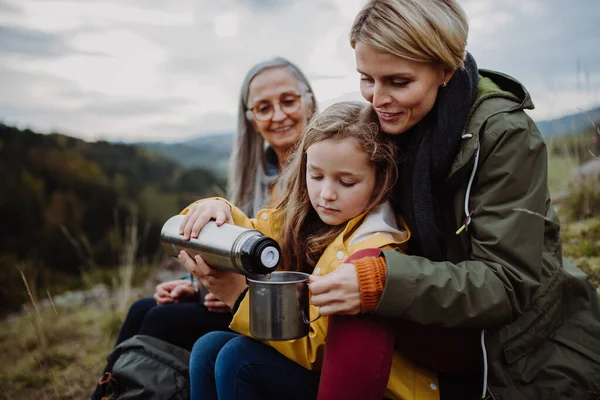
(212, 151)
(217, 142)
(569, 124)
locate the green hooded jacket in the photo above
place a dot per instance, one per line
(536, 316)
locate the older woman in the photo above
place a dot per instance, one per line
(276, 101)
(484, 259)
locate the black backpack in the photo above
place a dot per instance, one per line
(144, 367)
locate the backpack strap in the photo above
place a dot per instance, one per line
(107, 386)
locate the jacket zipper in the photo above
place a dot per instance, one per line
(490, 394)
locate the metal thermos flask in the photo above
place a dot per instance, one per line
(226, 247)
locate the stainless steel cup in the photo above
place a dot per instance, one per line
(279, 306)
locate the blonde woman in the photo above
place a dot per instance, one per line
(335, 203)
(483, 296)
(276, 101)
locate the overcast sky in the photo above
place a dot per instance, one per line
(133, 70)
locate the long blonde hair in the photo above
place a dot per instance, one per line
(432, 31)
(246, 170)
(304, 236)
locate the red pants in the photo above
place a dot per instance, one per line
(359, 350)
(358, 359)
(358, 354)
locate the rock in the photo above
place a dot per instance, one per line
(587, 174)
(169, 269)
(588, 170)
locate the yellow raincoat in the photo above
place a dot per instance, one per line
(377, 229)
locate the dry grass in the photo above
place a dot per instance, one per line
(59, 353)
(56, 353)
(67, 365)
(581, 244)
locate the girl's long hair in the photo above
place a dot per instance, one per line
(304, 236)
(247, 158)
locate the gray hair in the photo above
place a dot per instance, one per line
(248, 186)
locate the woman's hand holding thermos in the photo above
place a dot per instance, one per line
(226, 286)
(219, 254)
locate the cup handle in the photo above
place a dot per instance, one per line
(309, 321)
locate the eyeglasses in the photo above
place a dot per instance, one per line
(288, 103)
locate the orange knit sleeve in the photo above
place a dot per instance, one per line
(371, 272)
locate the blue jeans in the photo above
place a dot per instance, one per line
(228, 366)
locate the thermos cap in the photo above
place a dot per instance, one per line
(269, 257)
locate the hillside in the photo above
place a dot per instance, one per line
(67, 206)
(569, 124)
(57, 347)
(213, 151)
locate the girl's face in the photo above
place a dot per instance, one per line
(278, 88)
(340, 180)
(401, 91)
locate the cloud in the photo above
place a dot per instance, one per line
(547, 45)
(49, 103)
(546, 40)
(162, 70)
(17, 40)
(200, 54)
(76, 14)
(266, 5)
(7, 8)
(133, 108)
(32, 91)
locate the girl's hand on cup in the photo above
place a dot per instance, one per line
(199, 214)
(337, 292)
(225, 285)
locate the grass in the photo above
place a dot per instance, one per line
(560, 170)
(78, 341)
(581, 244)
(70, 363)
(59, 353)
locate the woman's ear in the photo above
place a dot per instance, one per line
(447, 74)
(309, 97)
(250, 120)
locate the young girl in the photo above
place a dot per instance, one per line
(334, 204)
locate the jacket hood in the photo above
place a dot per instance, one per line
(492, 82)
(496, 93)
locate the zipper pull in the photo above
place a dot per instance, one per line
(490, 395)
(466, 222)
